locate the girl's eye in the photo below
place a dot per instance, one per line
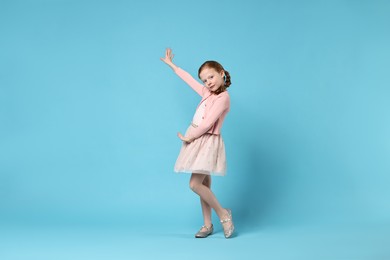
(211, 77)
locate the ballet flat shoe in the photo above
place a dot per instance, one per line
(228, 232)
(204, 234)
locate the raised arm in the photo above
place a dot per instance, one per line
(168, 59)
(185, 76)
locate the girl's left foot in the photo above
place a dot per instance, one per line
(205, 231)
(227, 224)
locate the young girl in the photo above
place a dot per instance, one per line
(203, 150)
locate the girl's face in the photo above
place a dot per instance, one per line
(212, 79)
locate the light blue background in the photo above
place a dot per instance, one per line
(89, 114)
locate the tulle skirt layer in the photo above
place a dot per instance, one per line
(204, 155)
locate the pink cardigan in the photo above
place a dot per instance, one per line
(217, 107)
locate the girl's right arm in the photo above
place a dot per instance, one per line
(168, 59)
(193, 83)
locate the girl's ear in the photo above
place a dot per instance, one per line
(222, 73)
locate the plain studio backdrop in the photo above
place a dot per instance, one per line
(89, 113)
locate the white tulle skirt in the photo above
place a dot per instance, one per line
(204, 155)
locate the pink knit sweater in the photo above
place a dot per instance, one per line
(216, 109)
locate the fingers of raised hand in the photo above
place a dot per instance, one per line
(169, 53)
(168, 56)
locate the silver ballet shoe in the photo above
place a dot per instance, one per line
(204, 234)
(228, 231)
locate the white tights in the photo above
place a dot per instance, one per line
(201, 185)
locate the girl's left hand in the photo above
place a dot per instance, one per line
(183, 138)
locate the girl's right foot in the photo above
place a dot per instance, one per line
(227, 224)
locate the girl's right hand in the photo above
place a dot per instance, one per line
(168, 58)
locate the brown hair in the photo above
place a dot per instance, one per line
(218, 67)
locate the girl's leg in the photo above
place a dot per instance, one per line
(196, 184)
(206, 209)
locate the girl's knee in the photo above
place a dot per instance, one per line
(196, 181)
(193, 185)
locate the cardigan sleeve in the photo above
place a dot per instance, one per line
(193, 83)
(221, 104)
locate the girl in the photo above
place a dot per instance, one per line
(203, 150)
